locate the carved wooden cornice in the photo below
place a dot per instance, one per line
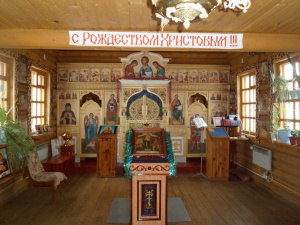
(86, 85)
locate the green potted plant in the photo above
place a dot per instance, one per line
(281, 94)
(295, 94)
(295, 137)
(19, 144)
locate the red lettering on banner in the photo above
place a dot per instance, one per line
(138, 38)
(212, 41)
(206, 41)
(171, 38)
(73, 38)
(102, 39)
(93, 38)
(132, 37)
(154, 39)
(110, 39)
(117, 39)
(200, 43)
(233, 40)
(86, 36)
(145, 37)
(221, 41)
(192, 38)
(178, 42)
(184, 40)
(124, 43)
(164, 39)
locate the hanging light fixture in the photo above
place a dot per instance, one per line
(187, 10)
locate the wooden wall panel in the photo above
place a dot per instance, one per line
(285, 168)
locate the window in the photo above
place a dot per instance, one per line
(5, 81)
(39, 98)
(247, 102)
(292, 106)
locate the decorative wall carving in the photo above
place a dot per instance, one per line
(87, 85)
(84, 92)
(204, 93)
(178, 145)
(62, 129)
(178, 130)
(128, 92)
(161, 92)
(197, 87)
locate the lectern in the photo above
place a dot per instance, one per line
(217, 154)
(149, 169)
(107, 155)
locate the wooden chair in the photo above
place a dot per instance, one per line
(38, 177)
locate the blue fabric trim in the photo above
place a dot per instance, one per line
(148, 95)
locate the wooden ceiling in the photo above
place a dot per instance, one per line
(264, 16)
(268, 26)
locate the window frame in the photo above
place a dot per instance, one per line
(9, 78)
(242, 105)
(46, 102)
(293, 103)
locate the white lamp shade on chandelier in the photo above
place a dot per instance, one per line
(186, 11)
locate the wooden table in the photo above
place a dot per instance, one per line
(60, 163)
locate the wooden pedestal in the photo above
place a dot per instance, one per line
(149, 193)
(107, 155)
(217, 156)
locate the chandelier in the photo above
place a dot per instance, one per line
(187, 10)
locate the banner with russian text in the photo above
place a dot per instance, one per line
(156, 40)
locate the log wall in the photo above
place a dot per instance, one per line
(285, 168)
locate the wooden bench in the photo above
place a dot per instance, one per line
(64, 163)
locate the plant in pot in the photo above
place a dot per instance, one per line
(295, 138)
(295, 94)
(281, 94)
(19, 144)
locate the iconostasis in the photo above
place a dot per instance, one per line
(142, 91)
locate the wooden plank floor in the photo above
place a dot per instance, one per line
(86, 200)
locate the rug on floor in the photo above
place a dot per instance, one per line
(120, 211)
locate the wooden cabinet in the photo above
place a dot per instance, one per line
(107, 155)
(149, 193)
(217, 154)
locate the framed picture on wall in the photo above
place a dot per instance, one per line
(95, 75)
(23, 101)
(68, 112)
(4, 164)
(264, 104)
(74, 75)
(62, 74)
(23, 69)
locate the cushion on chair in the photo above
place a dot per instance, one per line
(57, 177)
(38, 173)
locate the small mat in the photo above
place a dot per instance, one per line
(120, 211)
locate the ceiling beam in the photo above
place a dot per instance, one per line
(59, 39)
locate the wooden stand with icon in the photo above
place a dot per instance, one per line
(150, 169)
(107, 152)
(217, 154)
